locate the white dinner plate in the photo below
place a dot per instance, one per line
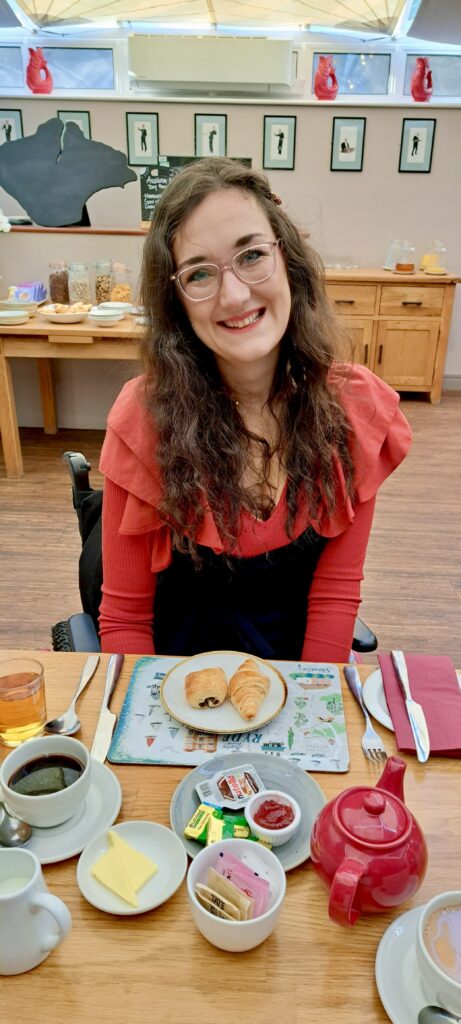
(225, 719)
(397, 974)
(99, 810)
(375, 698)
(155, 841)
(61, 318)
(276, 773)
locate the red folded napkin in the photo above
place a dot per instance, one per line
(434, 685)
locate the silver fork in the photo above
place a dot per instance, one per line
(372, 744)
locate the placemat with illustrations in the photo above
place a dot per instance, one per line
(310, 730)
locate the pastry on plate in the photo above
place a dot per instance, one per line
(206, 688)
(247, 689)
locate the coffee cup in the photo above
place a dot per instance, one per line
(32, 921)
(438, 950)
(45, 781)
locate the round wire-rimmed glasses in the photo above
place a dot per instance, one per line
(252, 265)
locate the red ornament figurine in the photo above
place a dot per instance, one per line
(421, 81)
(325, 81)
(38, 75)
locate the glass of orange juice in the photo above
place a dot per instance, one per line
(22, 700)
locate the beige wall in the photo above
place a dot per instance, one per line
(350, 216)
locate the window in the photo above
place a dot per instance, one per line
(359, 73)
(446, 73)
(76, 68)
(11, 73)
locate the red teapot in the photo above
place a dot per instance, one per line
(368, 849)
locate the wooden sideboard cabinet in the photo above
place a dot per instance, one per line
(396, 324)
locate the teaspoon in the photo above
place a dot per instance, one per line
(68, 723)
(436, 1015)
(13, 831)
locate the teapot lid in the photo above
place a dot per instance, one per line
(373, 816)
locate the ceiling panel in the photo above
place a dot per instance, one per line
(377, 16)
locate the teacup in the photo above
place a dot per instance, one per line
(46, 780)
(237, 936)
(32, 921)
(438, 950)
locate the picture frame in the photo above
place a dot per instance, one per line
(80, 117)
(279, 142)
(416, 145)
(347, 143)
(142, 137)
(210, 134)
(10, 126)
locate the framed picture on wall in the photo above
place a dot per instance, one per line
(210, 134)
(416, 145)
(279, 143)
(80, 117)
(142, 139)
(10, 126)
(347, 143)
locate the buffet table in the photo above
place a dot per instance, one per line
(156, 966)
(38, 339)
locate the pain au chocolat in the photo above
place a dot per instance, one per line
(206, 688)
(247, 689)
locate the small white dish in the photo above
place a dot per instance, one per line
(8, 320)
(225, 719)
(274, 836)
(398, 978)
(237, 936)
(16, 304)
(155, 841)
(105, 321)
(117, 307)
(99, 811)
(375, 698)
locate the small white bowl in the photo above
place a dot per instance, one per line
(237, 936)
(12, 317)
(105, 321)
(117, 307)
(274, 836)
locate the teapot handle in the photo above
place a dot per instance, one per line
(343, 890)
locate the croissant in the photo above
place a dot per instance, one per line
(247, 689)
(206, 688)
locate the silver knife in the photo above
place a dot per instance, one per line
(414, 711)
(107, 719)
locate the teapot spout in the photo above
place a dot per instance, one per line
(392, 778)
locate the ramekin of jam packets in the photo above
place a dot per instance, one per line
(273, 816)
(236, 891)
(210, 825)
(232, 788)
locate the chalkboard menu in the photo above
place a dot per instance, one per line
(154, 180)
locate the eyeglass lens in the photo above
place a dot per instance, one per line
(251, 265)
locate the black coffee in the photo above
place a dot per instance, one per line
(47, 774)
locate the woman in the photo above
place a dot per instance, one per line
(241, 469)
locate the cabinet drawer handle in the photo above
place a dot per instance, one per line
(365, 355)
(412, 302)
(380, 354)
(345, 302)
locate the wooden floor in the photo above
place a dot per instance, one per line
(412, 588)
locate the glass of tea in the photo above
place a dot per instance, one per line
(22, 700)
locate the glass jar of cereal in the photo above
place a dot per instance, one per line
(79, 283)
(103, 280)
(58, 281)
(121, 290)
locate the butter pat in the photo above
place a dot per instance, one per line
(122, 869)
(137, 866)
(109, 870)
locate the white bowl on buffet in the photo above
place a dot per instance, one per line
(13, 317)
(49, 313)
(117, 307)
(104, 317)
(18, 306)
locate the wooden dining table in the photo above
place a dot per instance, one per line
(156, 967)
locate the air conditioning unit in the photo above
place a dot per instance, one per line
(211, 63)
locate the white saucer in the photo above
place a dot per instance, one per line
(157, 842)
(375, 698)
(100, 809)
(398, 978)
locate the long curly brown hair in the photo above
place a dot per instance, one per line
(203, 443)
